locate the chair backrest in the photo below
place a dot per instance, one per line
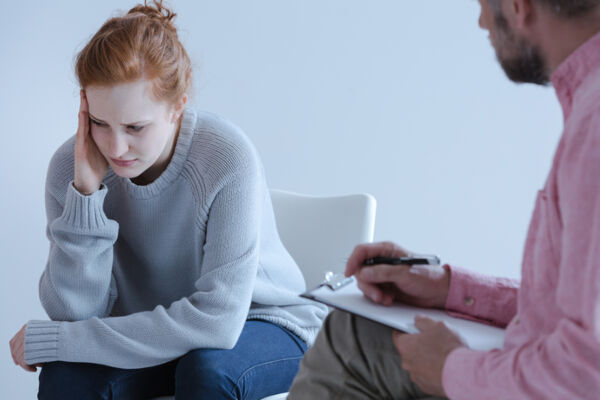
(321, 232)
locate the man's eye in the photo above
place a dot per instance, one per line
(136, 128)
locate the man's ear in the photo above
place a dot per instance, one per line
(520, 13)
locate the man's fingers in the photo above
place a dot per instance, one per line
(370, 250)
(383, 273)
(423, 323)
(418, 381)
(371, 291)
(400, 341)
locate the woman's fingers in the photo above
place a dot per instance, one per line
(20, 355)
(83, 113)
(81, 127)
(14, 346)
(18, 348)
(84, 103)
(27, 367)
(17, 351)
(13, 354)
(82, 118)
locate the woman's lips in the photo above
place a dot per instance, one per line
(124, 163)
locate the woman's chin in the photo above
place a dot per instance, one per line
(128, 173)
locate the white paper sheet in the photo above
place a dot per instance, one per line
(477, 336)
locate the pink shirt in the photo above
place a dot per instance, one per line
(552, 344)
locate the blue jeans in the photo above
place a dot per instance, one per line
(263, 362)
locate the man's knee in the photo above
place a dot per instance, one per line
(63, 380)
(352, 331)
(336, 324)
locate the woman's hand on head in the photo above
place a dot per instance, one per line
(17, 350)
(90, 164)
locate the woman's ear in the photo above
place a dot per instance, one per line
(178, 108)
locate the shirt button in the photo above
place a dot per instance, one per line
(469, 301)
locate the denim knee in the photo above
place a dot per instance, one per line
(63, 380)
(203, 374)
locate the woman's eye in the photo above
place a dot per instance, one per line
(136, 128)
(97, 123)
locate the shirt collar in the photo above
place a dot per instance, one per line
(570, 74)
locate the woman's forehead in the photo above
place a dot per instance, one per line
(133, 101)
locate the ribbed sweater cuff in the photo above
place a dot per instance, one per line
(41, 341)
(85, 212)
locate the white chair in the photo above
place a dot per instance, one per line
(320, 233)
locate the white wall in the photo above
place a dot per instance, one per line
(401, 99)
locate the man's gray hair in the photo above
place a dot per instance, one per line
(563, 8)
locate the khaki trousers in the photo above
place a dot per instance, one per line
(353, 358)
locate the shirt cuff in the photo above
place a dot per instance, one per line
(41, 341)
(469, 293)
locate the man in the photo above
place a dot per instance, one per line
(552, 343)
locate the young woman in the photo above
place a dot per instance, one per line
(166, 273)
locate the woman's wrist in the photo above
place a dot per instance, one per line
(85, 190)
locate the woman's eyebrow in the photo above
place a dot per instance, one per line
(129, 124)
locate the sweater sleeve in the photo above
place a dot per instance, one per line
(481, 297)
(211, 317)
(77, 282)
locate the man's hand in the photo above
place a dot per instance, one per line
(418, 285)
(17, 350)
(424, 354)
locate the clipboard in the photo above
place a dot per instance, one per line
(340, 292)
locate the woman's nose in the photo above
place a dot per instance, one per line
(118, 145)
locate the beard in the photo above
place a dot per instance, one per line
(524, 62)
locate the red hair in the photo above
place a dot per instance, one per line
(140, 44)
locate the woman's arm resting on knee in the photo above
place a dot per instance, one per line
(77, 282)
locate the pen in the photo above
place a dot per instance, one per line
(422, 259)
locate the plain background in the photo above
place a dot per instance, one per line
(400, 99)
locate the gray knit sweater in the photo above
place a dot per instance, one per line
(140, 275)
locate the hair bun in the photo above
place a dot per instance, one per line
(157, 11)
